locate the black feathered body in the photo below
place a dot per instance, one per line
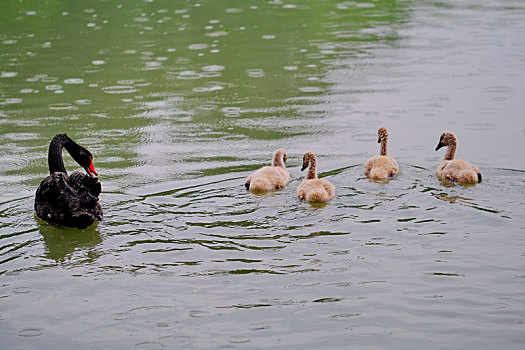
(67, 200)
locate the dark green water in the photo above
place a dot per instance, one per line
(179, 101)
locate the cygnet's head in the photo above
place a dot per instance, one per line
(447, 138)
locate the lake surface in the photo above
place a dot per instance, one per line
(180, 101)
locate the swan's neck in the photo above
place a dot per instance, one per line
(382, 151)
(451, 151)
(54, 156)
(278, 160)
(312, 172)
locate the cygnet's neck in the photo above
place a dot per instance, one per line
(382, 151)
(451, 150)
(312, 172)
(278, 160)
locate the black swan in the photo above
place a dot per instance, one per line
(69, 200)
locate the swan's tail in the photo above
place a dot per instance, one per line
(317, 195)
(379, 173)
(260, 185)
(468, 176)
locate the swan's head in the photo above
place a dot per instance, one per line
(382, 135)
(85, 159)
(447, 138)
(81, 155)
(308, 158)
(91, 169)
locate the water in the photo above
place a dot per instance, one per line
(180, 101)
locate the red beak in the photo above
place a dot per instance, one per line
(91, 169)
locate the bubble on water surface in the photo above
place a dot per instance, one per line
(147, 54)
(346, 5)
(176, 340)
(153, 64)
(126, 82)
(198, 313)
(33, 79)
(310, 89)
(213, 68)
(238, 339)
(26, 91)
(188, 74)
(119, 89)
(73, 81)
(53, 87)
(233, 10)
(207, 107)
(98, 62)
(30, 332)
(8, 74)
(231, 112)
(47, 79)
(216, 34)
(208, 88)
(12, 101)
(61, 106)
(198, 46)
(255, 73)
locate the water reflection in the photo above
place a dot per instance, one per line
(62, 242)
(451, 198)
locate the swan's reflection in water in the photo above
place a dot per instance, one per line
(467, 202)
(61, 242)
(451, 199)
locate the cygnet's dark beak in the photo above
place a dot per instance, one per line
(439, 145)
(378, 140)
(304, 167)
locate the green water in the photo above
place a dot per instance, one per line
(179, 101)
